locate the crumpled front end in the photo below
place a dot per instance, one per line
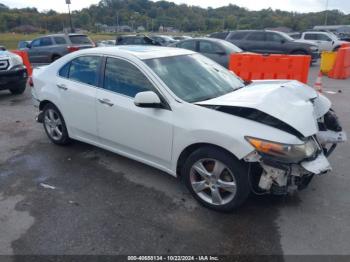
(289, 170)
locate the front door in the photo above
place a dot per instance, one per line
(141, 133)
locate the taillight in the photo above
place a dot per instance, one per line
(72, 49)
(30, 82)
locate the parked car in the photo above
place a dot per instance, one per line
(181, 37)
(164, 40)
(47, 49)
(326, 41)
(136, 40)
(13, 74)
(22, 45)
(271, 42)
(215, 49)
(182, 113)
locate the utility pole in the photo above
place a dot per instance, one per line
(326, 15)
(68, 2)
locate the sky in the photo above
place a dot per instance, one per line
(287, 5)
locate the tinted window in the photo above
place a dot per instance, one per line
(35, 43)
(64, 71)
(209, 48)
(322, 37)
(190, 45)
(238, 35)
(80, 39)
(85, 69)
(60, 40)
(45, 41)
(310, 36)
(221, 35)
(273, 37)
(124, 78)
(256, 36)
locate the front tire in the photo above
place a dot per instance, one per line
(18, 90)
(55, 126)
(216, 179)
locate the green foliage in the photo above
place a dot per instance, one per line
(151, 15)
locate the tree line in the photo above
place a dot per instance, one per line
(151, 15)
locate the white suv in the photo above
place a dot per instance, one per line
(182, 113)
(326, 41)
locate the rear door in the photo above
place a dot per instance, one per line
(143, 133)
(77, 84)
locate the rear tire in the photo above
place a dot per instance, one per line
(216, 179)
(55, 57)
(55, 126)
(18, 90)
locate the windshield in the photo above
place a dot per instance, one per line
(194, 78)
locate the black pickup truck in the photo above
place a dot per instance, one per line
(13, 74)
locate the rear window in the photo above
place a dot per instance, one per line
(80, 39)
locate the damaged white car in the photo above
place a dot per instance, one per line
(182, 113)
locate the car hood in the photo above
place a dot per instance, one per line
(291, 102)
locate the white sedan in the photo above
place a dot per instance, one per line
(184, 114)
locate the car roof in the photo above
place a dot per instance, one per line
(141, 52)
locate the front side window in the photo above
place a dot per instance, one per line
(124, 78)
(45, 41)
(273, 37)
(35, 43)
(322, 37)
(194, 78)
(85, 69)
(238, 35)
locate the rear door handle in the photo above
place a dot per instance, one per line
(61, 86)
(106, 101)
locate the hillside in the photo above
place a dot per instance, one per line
(151, 15)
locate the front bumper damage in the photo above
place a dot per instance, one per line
(283, 178)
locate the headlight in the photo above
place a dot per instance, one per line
(15, 60)
(284, 152)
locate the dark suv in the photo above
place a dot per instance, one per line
(269, 42)
(47, 49)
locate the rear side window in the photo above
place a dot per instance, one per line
(60, 40)
(64, 71)
(80, 39)
(238, 35)
(84, 69)
(256, 36)
(190, 45)
(124, 78)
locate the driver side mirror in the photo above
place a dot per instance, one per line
(28, 45)
(147, 99)
(283, 41)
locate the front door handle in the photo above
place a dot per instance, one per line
(63, 87)
(106, 102)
